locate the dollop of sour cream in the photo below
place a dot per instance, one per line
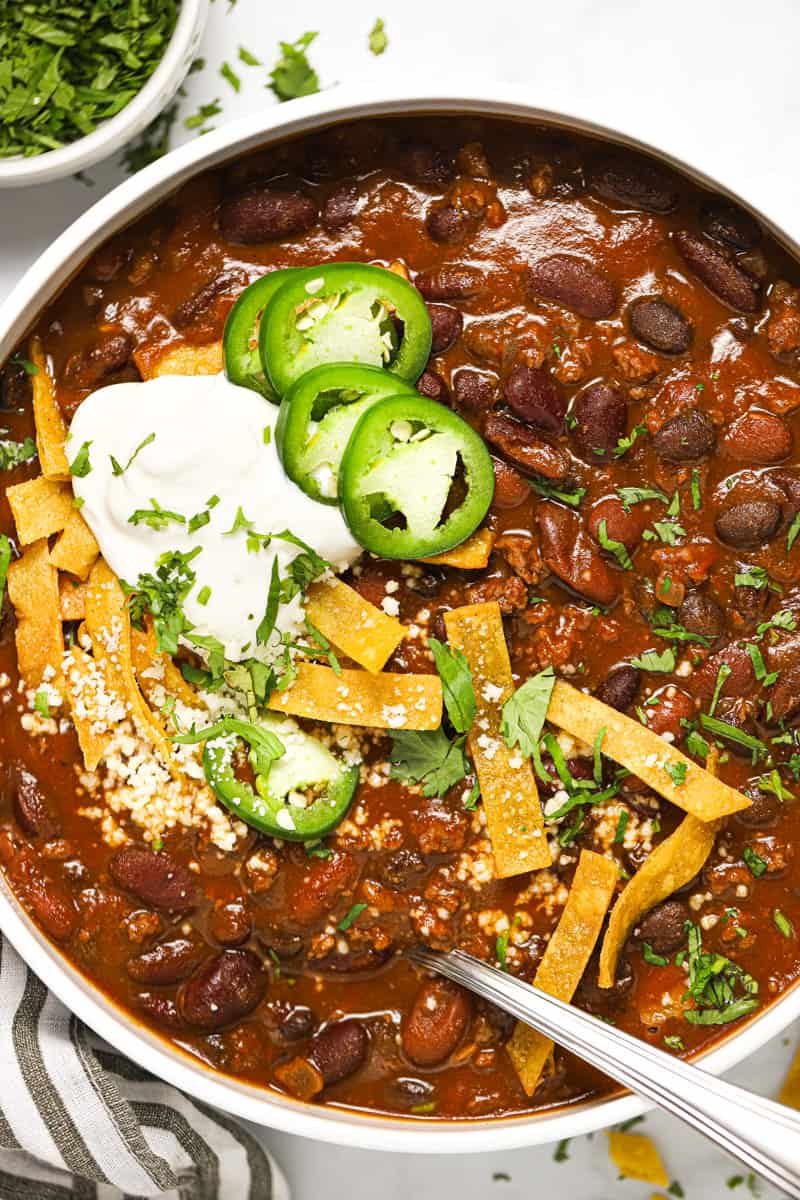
(213, 451)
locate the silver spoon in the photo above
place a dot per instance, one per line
(760, 1133)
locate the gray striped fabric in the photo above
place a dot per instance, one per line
(78, 1120)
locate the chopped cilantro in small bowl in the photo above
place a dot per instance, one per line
(78, 81)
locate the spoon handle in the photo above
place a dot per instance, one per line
(760, 1133)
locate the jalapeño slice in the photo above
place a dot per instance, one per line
(415, 478)
(240, 339)
(344, 312)
(317, 416)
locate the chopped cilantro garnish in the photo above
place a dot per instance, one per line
(614, 547)
(649, 955)
(625, 443)
(756, 865)
(14, 454)
(456, 677)
(714, 982)
(673, 1042)
(637, 495)
(293, 75)
(351, 916)
(247, 58)
(782, 923)
(204, 113)
(428, 758)
(733, 734)
(5, 563)
(116, 469)
(524, 712)
(80, 465)
(378, 41)
(155, 517)
(42, 704)
(572, 497)
(676, 772)
(229, 75)
(696, 496)
(761, 673)
(792, 532)
(560, 1154)
(754, 577)
(198, 520)
(622, 825)
(204, 595)
(661, 662)
(696, 744)
(722, 674)
(163, 594)
(501, 950)
(667, 531)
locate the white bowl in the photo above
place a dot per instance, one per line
(44, 279)
(130, 121)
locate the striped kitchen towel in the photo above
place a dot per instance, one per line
(78, 1120)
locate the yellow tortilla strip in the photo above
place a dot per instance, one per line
(671, 865)
(184, 360)
(382, 701)
(354, 626)
(76, 548)
(471, 555)
(790, 1088)
(644, 753)
(636, 1157)
(108, 625)
(508, 788)
(72, 598)
(39, 507)
(566, 956)
(51, 428)
(153, 669)
(33, 590)
(87, 688)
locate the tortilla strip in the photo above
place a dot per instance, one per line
(566, 956)
(76, 548)
(636, 1157)
(510, 797)
(39, 507)
(87, 687)
(790, 1088)
(33, 590)
(354, 626)
(51, 428)
(108, 625)
(182, 360)
(153, 669)
(471, 555)
(671, 865)
(382, 701)
(72, 599)
(644, 753)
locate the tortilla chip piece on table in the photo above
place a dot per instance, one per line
(508, 787)
(636, 1157)
(564, 961)
(33, 591)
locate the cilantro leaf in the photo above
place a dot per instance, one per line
(525, 711)
(293, 75)
(429, 758)
(456, 677)
(378, 41)
(14, 454)
(614, 547)
(116, 469)
(80, 465)
(659, 661)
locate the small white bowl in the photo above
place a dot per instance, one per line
(130, 121)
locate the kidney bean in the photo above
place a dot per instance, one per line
(196, 306)
(630, 182)
(741, 680)
(168, 962)
(154, 877)
(718, 272)
(446, 326)
(296, 1021)
(600, 414)
(86, 368)
(686, 437)
(662, 927)
(736, 712)
(510, 488)
(160, 1009)
(51, 903)
(572, 556)
(534, 395)
(436, 1023)
(619, 688)
(731, 225)
(450, 281)
(223, 990)
(31, 806)
(447, 224)
(403, 868)
(425, 163)
(339, 1050)
(748, 523)
(230, 924)
(325, 882)
(758, 437)
(700, 613)
(665, 717)
(341, 205)
(785, 695)
(620, 526)
(660, 325)
(353, 962)
(433, 386)
(750, 602)
(263, 213)
(524, 449)
(763, 812)
(474, 390)
(575, 283)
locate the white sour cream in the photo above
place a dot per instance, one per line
(209, 441)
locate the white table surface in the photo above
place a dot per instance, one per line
(712, 80)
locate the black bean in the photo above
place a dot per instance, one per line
(534, 395)
(600, 416)
(659, 325)
(296, 1021)
(619, 688)
(602, 1001)
(700, 613)
(748, 523)
(763, 811)
(446, 326)
(663, 926)
(686, 437)
(425, 163)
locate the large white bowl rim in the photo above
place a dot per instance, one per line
(37, 287)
